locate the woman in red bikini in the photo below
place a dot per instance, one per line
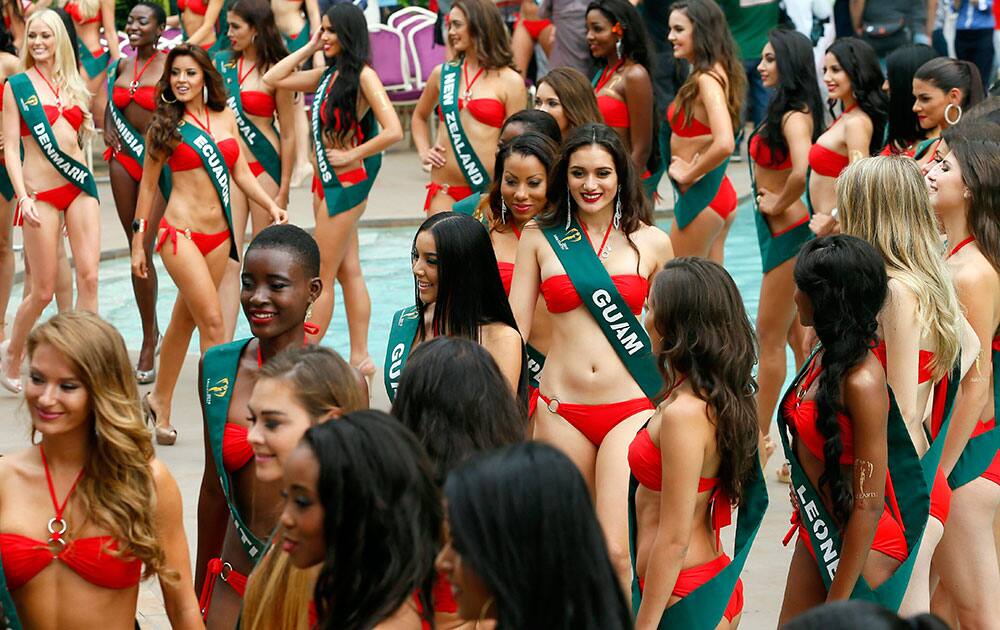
(529, 30)
(113, 510)
(943, 89)
(198, 20)
(348, 148)
(779, 161)
(51, 95)
(255, 46)
(591, 406)
(93, 20)
(854, 79)
(701, 123)
(695, 458)
(884, 201)
(568, 97)
(133, 101)
(8, 67)
(194, 135)
(298, 21)
(964, 191)
(484, 88)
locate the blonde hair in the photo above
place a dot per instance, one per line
(88, 8)
(65, 74)
(117, 491)
(277, 593)
(884, 201)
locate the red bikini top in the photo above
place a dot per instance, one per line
(186, 158)
(236, 450)
(801, 414)
(614, 111)
(73, 115)
(826, 161)
(90, 558)
(924, 373)
(258, 103)
(197, 6)
(675, 118)
(561, 296)
(489, 111)
(74, 12)
(763, 156)
(144, 97)
(506, 270)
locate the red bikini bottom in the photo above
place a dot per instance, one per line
(725, 200)
(534, 27)
(256, 168)
(690, 579)
(217, 568)
(204, 242)
(595, 421)
(60, 198)
(133, 168)
(940, 497)
(889, 536)
(993, 472)
(356, 176)
(457, 193)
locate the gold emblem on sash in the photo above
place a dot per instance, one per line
(220, 388)
(32, 101)
(408, 314)
(572, 236)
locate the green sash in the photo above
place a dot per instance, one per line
(912, 488)
(536, 361)
(133, 142)
(612, 314)
(6, 188)
(295, 43)
(704, 607)
(211, 158)
(405, 323)
(258, 143)
(93, 65)
(689, 204)
(775, 248)
(468, 205)
(473, 170)
(218, 371)
(35, 119)
(922, 147)
(338, 198)
(8, 612)
(981, 450)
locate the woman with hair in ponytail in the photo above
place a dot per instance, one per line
(854, 79)
(943, 89)
(255, 47)
(52, 185)
(112, 508)
(194, 135)
(351, 105)
(697, 456)
(837, 412)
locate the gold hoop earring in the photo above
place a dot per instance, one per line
(163, 97)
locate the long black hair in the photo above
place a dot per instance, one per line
(860, 63)
(797, 89)
(635, 43)
(844, 277)
(381, 519)
(534, 145)
(269, 42)
(453, 396)
(341, 103)
(900, 69)
(706, 335)
(522, 518)
(636, 208)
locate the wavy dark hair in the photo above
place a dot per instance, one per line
(900, 69)
(844, 277)
(381, 520)
(635, 43)
(534, 145)
(713, 44)
(579, 103)
(534, 121)
(636, 208)
(948, 74)
(976, 146)
(490, 34)
(340, 105)
(797, 89)
(454, 398)
(860, 63)
(706, 334)
(537, 546)
(162, 135)
(269, 43)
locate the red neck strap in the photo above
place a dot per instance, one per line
(59, 508)
(961, 245)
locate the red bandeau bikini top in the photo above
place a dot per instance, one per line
(561, 296)
(506, 270)
(73, 115)
(185, 158)
(258, 103)
(489, 111)
(675, 118)
(614, 111)
(236, 450)
(763, 156)
(144, 97)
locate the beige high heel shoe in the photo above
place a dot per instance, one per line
(165, 436)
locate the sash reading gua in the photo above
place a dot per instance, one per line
(405, 323)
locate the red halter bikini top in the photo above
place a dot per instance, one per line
(91, 558)
(489, 111)
(73, 9)
(185, 158)
(255, 103)
(73, 115)
(613, 110)
(144, 97)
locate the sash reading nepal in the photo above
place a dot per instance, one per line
(218, 379)
(982, 449)
(338, 198)
(690, 203)
(133, 142)
(912, 479)
(472, 169)
(608, 308)
(403, 331)
(218, 173)
(37, 122)
(253, 137)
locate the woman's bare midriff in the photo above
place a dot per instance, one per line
(774, 181)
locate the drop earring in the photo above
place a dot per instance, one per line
(618, 208)
(618, 48)
(569, 208)
(503, 211)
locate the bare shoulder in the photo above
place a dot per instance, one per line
(636, 72)
(866, 380)
(163, 480)
(900, 295)
(532, 234)
(857, 122)
(500, 333)
(654, 241)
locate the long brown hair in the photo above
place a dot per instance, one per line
(268, 41)
(707, 336)
(579, 104)
(976, 146)
(713, 44)
(488, 32)
(117, 491)
(162, 136)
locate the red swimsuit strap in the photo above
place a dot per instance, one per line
(960, 246)
(57, 535)
(604, 242)
(606, 76)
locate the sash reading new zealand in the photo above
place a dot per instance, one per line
(472, 169)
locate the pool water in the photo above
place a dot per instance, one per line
(385, 260)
